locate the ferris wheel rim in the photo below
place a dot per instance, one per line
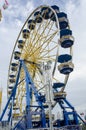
(57, 23)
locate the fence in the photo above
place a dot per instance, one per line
(5, 126)
(72, 127)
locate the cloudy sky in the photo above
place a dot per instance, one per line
(12, 21)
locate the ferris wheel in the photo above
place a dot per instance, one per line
(44, 38)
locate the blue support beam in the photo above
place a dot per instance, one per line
(12, 94)
(3, 113)
(81, 119)
(68, 104)
(28, 98)
(29, 80)
(76, 118)
(10, 114)
(18, 124)
(65, 117)
(67, 113)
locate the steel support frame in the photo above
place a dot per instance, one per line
(40, 105)
(67, 113)
(28, 99)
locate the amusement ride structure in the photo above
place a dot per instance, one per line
(39, 69)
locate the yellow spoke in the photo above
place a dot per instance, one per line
(35, 32)
(49, 51)
(43, 43)
(39, 37)
(47, 44)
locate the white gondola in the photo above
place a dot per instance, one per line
(66, 68)
(37, 16)
(21, 44)
(17, 55)
(25, 33)
(31, 24)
